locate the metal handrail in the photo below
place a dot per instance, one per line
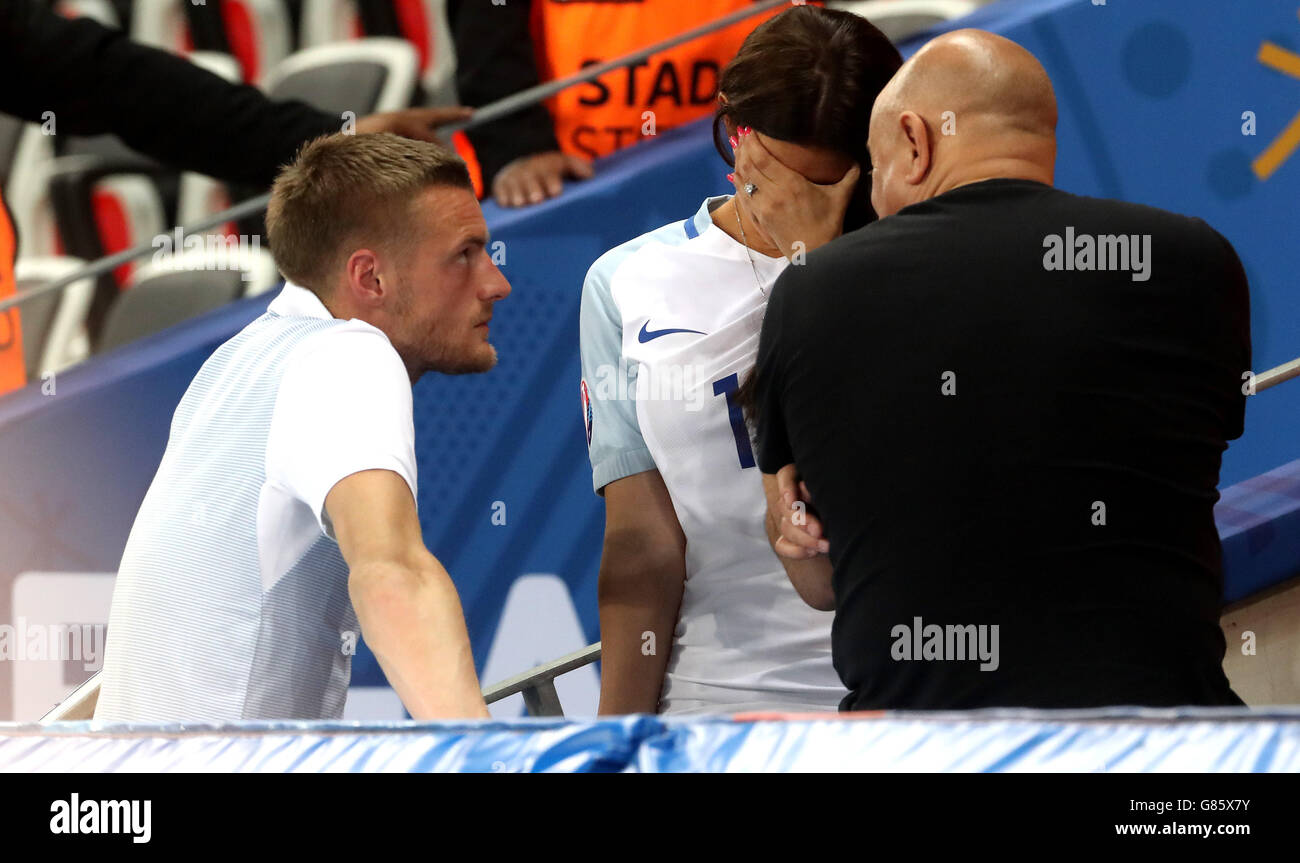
(538, 684)
(1277, 375)
(79, 703)
(495, 111)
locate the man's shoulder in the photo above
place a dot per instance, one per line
(281, 319)
(912, 231)
(873, 250)
(340, 342)
(299, 343)
(1131, 212)
(1183, 245)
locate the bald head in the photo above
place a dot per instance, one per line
(968, 106)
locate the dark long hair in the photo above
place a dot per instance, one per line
(810, 76)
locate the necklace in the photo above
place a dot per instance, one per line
(745, 242)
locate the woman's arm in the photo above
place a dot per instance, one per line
(796, 537)
(642, 574)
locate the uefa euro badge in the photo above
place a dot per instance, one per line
(586, 411)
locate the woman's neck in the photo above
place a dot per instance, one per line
(724, 217)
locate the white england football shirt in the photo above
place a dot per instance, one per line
(231, 601)
(669, 329)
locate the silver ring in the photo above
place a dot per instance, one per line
(750, 189)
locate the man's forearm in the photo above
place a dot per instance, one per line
(412, 621)
(96, 80)
(811, 578)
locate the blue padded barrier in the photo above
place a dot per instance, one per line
(1259, 525)
(1125, 740)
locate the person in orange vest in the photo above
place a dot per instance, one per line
(501, 49)
(94, 80)
(12, 373)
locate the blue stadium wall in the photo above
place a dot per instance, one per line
(1152, 97)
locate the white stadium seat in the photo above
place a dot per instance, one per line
(364, 76)
(899, 19)
(55, 323)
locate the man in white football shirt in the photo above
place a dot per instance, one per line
(282, 524)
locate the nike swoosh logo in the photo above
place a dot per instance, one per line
(646, 335)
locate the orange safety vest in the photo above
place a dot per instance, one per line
(12, 372)
(460, 143)
(666, 90)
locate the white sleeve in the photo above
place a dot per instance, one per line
(344, 406)
(614, 441)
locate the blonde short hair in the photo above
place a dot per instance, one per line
(347, 190)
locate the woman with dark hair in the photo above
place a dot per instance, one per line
(697, 613)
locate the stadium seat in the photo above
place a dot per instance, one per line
(162, 24)
(54, 324)
(368, 75)
(899, 19)
(102, 206)
(110, 149)
(424, 24)
(261, 274)
(174, 289)
(257, 33)
(327, 21)
(26, 155)
(216, 62)
(11, 131)
(149, 199)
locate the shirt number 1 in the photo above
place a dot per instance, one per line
(727, 387)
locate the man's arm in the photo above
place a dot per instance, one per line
(642, 575)
(794, 533)
(409, 610)
(96, 80)
(796, 537)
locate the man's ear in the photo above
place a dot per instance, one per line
(363, 277)
(918, 142)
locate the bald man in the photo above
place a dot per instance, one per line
(1007, 405)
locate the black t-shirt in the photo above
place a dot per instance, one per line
(993, 439)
